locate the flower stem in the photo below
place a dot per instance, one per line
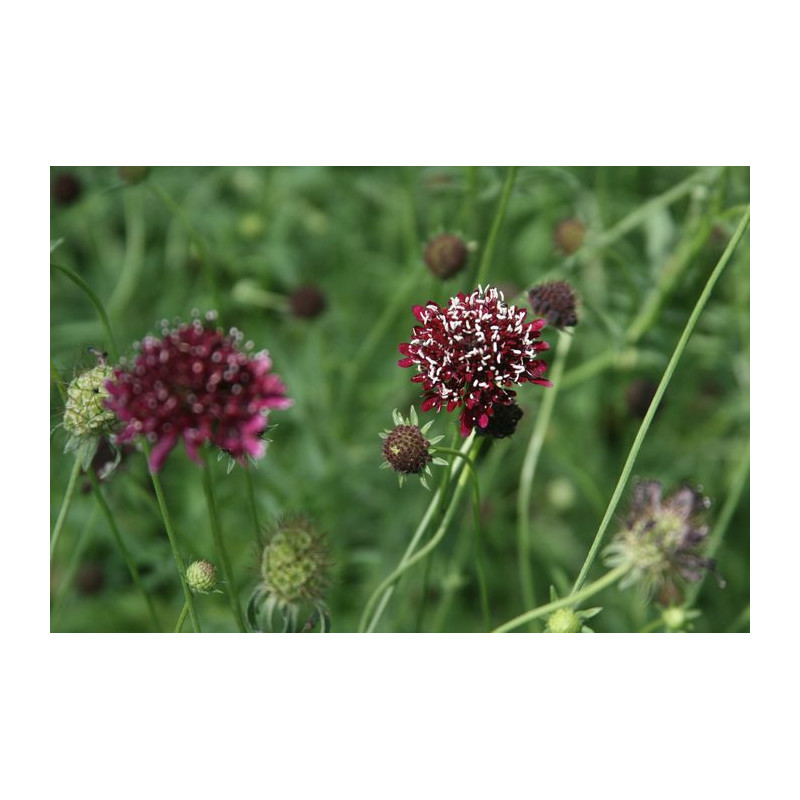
(173, 542)
(104, 507)
(180, 214)
(386, 594)
(427, 548)
(222, 553)
(65, 504)
(181, 618)
(572, 600)
(251, 500)
(480, 565)
(529, 470)
(95, 300)
(662, 387)
(488, 252)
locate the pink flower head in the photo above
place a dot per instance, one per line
(197, 384)
(468, 352)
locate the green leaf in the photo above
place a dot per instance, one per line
(54, 243)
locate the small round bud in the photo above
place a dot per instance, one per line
(674, 618)
(561, 493)
(294, 564)
(133, 174)
(570, 235)
(307, 302)
(251, 226)
(85, 413)
(502, 423)
(406, 450)
(564, 620)
(201, 576)
(555, 301)
(66, 189)
(445, 255)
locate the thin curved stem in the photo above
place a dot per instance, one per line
(488, 252)
(173, 542)
(438, 497)
(104, 507)
(480, 565)
(429, 546)
(656, 401)
(96, 302)
(528, 471)
(65, 504)
(222, 553)
(572, 600)
(251, 500)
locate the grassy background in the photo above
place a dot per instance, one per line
(223, 237)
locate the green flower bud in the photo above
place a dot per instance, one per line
(201, 576)
(564, 620)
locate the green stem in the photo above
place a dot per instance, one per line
(181, 618)
(480, 565)
(662, 387)
(95, 300)
(572, 600)
(104, 507)
(528, 471)
(415, 539)
(65, 504)
(251, 500)
(427, 548)
(133, 260)
(222, 553)
(179, 213)
(488, 252)
(173, 542)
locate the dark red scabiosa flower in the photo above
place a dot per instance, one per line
(468, 354)
(198, 384)
(662, 538)
(556, 302)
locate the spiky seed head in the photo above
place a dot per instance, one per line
(85, 413)
(294, 564)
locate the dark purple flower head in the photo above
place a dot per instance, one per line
(196, 383)
(662, 538)
(468, 354)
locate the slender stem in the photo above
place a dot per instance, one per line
(251, 500)
(480, 566)
(528, 471)
(95, 300)
(725, 515)
(488, 252)
(173, 542)
(427, 548)
(640, 214)
(193, 234)
(181, 618)
(662, 387)
(104, 507)
(65, 504)
(572, 600)
(438, 497)
(222, 553)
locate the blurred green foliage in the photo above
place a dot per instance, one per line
(241, 239)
